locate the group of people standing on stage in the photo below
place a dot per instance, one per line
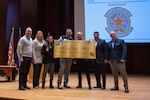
(39, 51)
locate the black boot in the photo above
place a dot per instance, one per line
(89, 81)
(51, 84)
(90, 87)
(43, 85)
(79, 86)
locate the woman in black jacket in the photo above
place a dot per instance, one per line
(48, 60)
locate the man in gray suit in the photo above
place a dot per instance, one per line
(117, 57)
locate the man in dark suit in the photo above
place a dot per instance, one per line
(117, 58)
(101, 60)
(83, 65)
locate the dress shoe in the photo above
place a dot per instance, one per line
(115, 88)
(36, 87)
(27, 87)
(43, 85)
(79, 86)
(59, 86)
(126, 91)
(66, 86)
(51, 86)
(22, 88)
(103, 88)
(97, 87)
(90, 88)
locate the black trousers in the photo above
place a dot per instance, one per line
(24, 70)
(100, 69)
(36, 74)
(83, 65)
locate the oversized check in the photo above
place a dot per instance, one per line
(74, 49)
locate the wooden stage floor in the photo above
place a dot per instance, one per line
(139, 86)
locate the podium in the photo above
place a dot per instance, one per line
(8, 70)
(31, 73)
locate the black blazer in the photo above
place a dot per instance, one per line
(118, 52)
(48, 57)
(101, 51)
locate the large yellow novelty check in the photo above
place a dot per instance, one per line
(74, 49)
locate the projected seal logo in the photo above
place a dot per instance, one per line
(118, 19)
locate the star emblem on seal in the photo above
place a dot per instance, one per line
(118, 19)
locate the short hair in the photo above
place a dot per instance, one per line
(96, 32)
(112, 32)
(79, 33)
(69, 29)
(28, 28)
